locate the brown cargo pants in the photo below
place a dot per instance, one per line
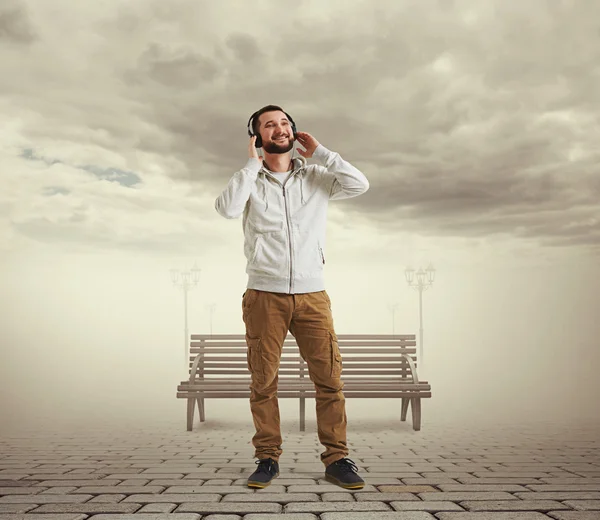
(268, 317)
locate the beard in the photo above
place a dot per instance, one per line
(276, 147)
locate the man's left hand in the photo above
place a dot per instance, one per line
(309, 142)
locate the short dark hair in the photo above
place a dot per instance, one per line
(268, 108)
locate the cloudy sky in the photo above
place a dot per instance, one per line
(476, 124)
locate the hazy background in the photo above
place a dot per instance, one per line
(476, 123)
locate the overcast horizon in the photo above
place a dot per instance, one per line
(476, 125)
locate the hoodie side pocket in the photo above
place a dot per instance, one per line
(255, 252)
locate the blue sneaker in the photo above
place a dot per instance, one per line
(267, 470)
(344, 473)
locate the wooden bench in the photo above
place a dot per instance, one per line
(375, 366)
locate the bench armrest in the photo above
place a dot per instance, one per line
(413, 369)
(194, 368)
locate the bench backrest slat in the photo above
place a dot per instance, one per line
(377, 355)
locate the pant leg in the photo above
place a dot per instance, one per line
(266, 316)
(312, 326)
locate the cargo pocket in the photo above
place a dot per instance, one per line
(336, 356)
(254, 358)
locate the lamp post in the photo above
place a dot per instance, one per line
(392, 308)
(424, 280)
(186, 280)
(211, 308)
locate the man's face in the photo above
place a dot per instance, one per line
(276, 132)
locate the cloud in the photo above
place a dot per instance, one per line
(469, 119)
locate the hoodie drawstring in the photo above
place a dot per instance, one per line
(266, 194)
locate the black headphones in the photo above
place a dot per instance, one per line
(258, 143)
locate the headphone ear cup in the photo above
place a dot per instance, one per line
(258, 142)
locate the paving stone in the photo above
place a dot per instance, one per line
(522, 515)
(320, 488)
(44, 499)
(406, 489)
(338, 497)
(157, 508)
(321, 507)
(229, 507)
(16, 508)
(385, 497)
(289, 516)
(432, 481)
(88, 508)
(382, 515)
(558, 495)
(112, 499)
(513, 480)
(178, 490)
(223, 517)
(59, 490)
(175, 498)
(49, 516)
(432, 506)
(280, 498)
(564, 487)
(513, 505)
(185, 482)
(119, 489)
(459, 495)
(391, 474)
(584, 505)
(573, 515)
(509, 488)
(23, 490)
(149, 516)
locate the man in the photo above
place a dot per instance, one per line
(284, 201)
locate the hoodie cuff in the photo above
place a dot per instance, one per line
(321, 154)
(253, 166)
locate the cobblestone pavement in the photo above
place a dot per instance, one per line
(445, 472)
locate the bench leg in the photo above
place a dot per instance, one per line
(302, 414)
(416, 412)
(191, 404)
(200, 401)
(405, 403)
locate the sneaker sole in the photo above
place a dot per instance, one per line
(333, 480)
(261, 485)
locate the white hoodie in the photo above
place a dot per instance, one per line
(284, 225)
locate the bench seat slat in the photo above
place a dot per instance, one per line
(353, 337)
(197, 385)
(309, 395)
(296, 358)
(344, 350)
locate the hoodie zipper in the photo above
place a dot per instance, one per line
(289, 235)
(288, 221)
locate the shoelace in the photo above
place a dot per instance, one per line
(347, 465)
(264, 465)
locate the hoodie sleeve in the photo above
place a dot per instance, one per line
(346, 180)
(232, 201)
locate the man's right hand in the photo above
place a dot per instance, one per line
(252, 152)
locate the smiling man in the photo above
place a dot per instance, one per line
(284, 201)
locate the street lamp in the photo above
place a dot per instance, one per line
(211, 308)
(186, 280)
(424, 280)
(392, 308)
